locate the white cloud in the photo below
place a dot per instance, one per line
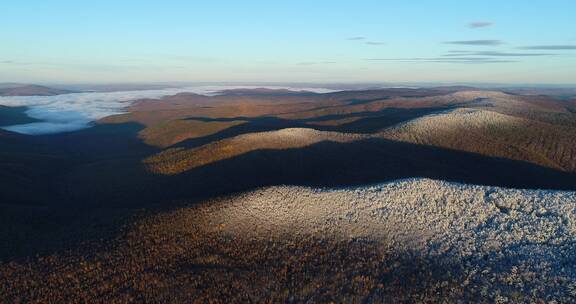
(70, 112)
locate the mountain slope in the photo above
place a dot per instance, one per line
(407, 241)
(493, 134)
(27, 169)
(174, 161)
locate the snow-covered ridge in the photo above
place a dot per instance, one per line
(453, 119)
(507, 237)
(69, 112)
(431, 210)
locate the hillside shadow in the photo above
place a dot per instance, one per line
(123, 184)
(102, 141)
(64, 202)
(106, 174)
(14, 116)
(253, 124)
(370, 122)
(330, 164)
(367, 122)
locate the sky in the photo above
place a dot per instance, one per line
(450, 41)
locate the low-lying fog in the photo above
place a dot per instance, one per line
(75, 111)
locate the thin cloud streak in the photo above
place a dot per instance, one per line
(360, 38)
(315, 62)
(561, 47)
(459, 60)
(480, 24)
(458, 53)
(476, 42)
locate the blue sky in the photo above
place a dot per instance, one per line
(303, 41)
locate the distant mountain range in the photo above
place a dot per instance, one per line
(30, 90)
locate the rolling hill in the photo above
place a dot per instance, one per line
(279, 195)
(494, 134)
(30, 90)
(414, 240)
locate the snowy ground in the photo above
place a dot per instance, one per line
(497, 240)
